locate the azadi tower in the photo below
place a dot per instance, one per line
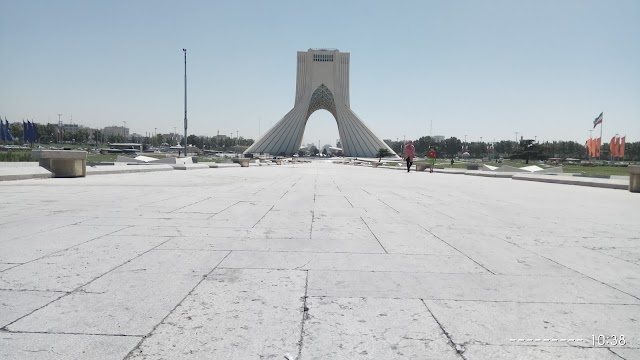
(322, 83)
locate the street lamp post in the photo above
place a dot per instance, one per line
(59, 126)
(185, 102)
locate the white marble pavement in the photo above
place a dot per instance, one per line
(316, 261)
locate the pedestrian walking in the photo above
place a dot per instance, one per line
(410, 153)
(432, 159)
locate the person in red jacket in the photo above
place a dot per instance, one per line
(409, 154)
(432, 159)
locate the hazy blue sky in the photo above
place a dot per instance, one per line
(481, 68)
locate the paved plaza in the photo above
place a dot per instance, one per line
(316, 261)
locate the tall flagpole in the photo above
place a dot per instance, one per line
(185, 102)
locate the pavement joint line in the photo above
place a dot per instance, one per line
(263, 216)
(199, 201)
(214, 214)
(305, 313)
(157, 201)
(313, 215)
(204, 277)
(585, 275)
(453, 345)
(374, 235)
(77, 289)
(64, 333)
(391, 207)
(453, 247)
(615, 353)
(345, 196)
(285, 193)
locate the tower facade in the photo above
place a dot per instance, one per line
(322, 82)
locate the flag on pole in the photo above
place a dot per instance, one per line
(613, 147)
(34, 134)
(25, 131)
(28, 131)
(598, 146)
(598, 120)
(9, 136)
(2, 135)
(622, 142)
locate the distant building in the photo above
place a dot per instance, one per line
(70, 128)
(115, 131)
(438, 138)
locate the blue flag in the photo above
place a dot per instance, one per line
(25, 131)
(34, 134)
(9, 136)
(28, 131)
(2, 136)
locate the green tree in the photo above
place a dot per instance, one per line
(382, 152)
(452, 146)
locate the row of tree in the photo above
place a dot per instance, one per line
(49, 134)
(454, 147)
(451, 147)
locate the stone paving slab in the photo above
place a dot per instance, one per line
(614, 272)
(501, 257)
(33, 224)
(464, 287)
(373, 329)
(31, 247)
(64, 346)
(367, 246)
(233, 314)
(350, 262)
(503, 323)
(16, 304)
(71, 268)
(130, 300)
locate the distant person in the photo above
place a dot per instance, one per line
(410, 153)
(432, 159)
(451, 162)
(179, 153)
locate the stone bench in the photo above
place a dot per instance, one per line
(63, 163)
(278, 161)
(244, 162)
(634, 178)
(421, 166)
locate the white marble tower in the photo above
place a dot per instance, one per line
(322, 83)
